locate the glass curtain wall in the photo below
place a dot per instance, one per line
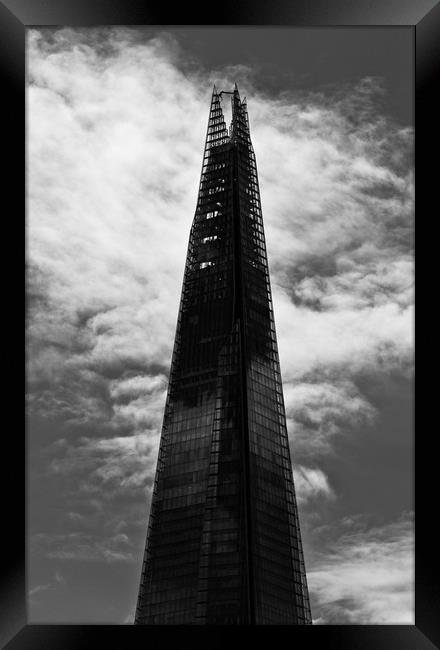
(223, 542)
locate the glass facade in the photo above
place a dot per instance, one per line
(223, 543)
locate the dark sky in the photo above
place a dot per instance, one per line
(123, 113)
(284, 59)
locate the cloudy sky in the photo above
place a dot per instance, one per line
(116, 125)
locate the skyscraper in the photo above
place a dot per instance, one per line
(223, 543)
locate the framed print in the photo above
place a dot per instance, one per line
(311, 109)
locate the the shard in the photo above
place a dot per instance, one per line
(223, 543)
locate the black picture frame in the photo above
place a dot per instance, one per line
(15, 15)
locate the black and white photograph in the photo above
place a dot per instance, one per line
(220, 335)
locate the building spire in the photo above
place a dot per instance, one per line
(223, 543)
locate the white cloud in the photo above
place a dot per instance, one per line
(83, 547)
(58, 580)
(138, 385)
(347, 340)
(311, 483)
(35, 590)
(366, 576)
(318, 411)
(109, 466)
